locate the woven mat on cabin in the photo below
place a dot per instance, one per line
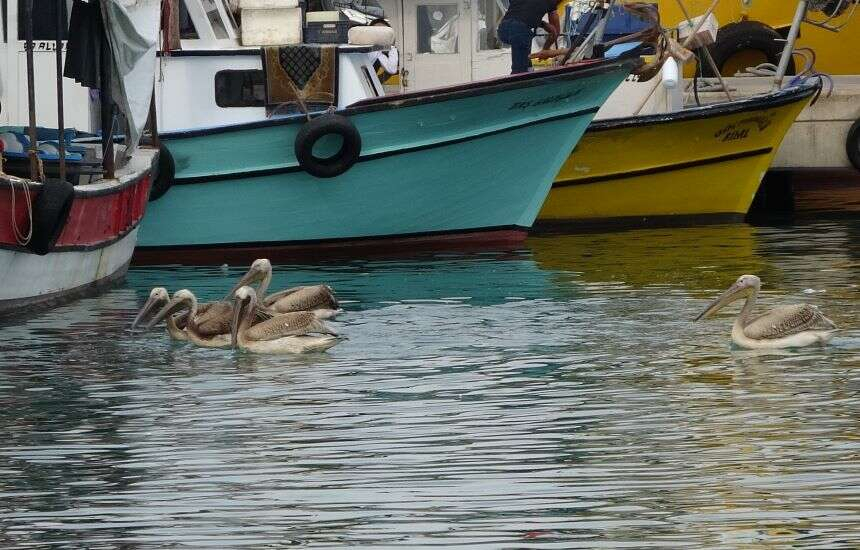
(309, 71)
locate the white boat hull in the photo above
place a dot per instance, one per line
(61, 276)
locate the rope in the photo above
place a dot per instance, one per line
(769, 70)
(805, 75)
(20, 237)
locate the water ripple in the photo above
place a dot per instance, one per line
(554, 397)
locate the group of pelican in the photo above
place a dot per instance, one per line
(289, 321)
(292, 320)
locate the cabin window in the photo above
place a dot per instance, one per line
(187, 30)
(211, 9)
(490, 13)
(438, 28)
(369, 88)
(44, 19)
(236, 88)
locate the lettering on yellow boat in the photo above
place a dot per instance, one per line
(741, 129)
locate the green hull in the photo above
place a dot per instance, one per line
(465, 159)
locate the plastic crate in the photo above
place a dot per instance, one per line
(327, 32)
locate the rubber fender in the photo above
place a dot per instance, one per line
(746, 35)
(317, 128)
(166, 174)
(852, 145)
(50, 213)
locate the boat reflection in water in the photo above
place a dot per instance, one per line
(697, 259)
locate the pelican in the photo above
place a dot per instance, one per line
(319, 299)
(207, 316)
(784, 327)
(158, 298)
(285, 333)
(209, 329)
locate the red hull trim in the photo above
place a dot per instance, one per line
(96, 219)
(397, 247)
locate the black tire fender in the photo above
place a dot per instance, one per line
(166, 174)
(746, 35)
(852, 145)
(50, 213)
(317, 128)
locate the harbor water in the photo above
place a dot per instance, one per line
(553, 396)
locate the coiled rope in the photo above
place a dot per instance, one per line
(21, 237)
(769, 70)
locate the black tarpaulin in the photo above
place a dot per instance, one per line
(84, 48)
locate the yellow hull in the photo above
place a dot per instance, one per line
(702, 162)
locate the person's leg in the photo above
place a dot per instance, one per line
(519, 37)
(521, 47)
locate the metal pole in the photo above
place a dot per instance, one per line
(107, 110)
(61, 24)
(788, 52)
(708, 57)
(701, 23)
(31, 89)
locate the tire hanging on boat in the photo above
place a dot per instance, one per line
(317, 128)
(746, 35)
(50, 213)
(166, 174)
(852, 145)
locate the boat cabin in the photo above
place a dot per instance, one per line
(213, 79)
(440, 42)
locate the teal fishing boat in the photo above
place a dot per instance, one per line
(461, 164)
(472, 162)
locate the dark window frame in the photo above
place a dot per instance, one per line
(243, 92)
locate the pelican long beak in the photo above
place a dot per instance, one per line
(146, 310)
(238, 307)
(171, 307)
(735, 292)
(252, 276)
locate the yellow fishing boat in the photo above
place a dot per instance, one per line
(697, 164)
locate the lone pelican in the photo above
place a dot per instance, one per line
(319, 299)
(784, 327)
(210, 329)
(158, 298)
(284, 333)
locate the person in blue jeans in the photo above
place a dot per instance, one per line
(519, 25)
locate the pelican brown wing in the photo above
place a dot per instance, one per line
(787, 320)
(288, 324)
(218, 315)
(215, 320)
(302, 298)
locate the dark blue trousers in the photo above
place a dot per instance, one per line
(519, 36)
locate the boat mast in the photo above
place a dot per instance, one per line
(788, 52)
(107, 109)
(61, 25)
(33, 152)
